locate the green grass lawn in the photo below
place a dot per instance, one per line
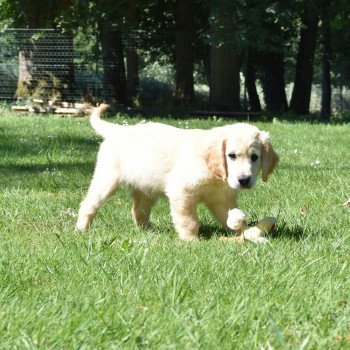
(119, 287)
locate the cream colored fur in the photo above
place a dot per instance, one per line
(188, 166)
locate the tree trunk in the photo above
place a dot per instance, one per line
(40, 74)
(341, 98)
(26, 64)
(272, 78)
(70, 78)
(300, 101)
(132, 57)
(184, 90)
(225, 64)
(224, 79)
(114, 78)
(326, 63)
(250, 78)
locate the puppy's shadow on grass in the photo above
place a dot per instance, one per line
(207, 231)
(282, 230)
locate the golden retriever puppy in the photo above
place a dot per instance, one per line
(188, 166)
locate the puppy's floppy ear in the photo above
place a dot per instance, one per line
(215, 159)
(269, 156)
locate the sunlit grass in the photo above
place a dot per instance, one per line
(121, 287)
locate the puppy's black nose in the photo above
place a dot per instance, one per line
(244, 181)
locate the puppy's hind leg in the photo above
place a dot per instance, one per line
(141, 208)
(103, 185)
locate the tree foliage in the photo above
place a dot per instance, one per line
(272, 42)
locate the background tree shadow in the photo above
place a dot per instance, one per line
(28, 169)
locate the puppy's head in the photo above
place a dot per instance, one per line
(237, 153)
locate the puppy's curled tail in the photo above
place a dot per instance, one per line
(102, 127)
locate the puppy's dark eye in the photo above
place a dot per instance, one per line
(232, 156)
(254, 157)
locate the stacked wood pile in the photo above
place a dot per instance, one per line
(54, 107)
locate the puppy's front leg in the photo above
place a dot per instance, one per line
(220, 210)
(184, 214)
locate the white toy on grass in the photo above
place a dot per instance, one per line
(237, 221)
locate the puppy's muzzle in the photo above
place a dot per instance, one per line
(244, 181)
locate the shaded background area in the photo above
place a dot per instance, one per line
(276, 57)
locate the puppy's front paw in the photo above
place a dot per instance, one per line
(259, 240)
(236, 220)
(188, 238)
(81, 225)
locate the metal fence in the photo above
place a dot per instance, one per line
(71, 65)
(58, 65)
(67, 67)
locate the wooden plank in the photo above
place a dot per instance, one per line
(225, 113)
(38, 101)
(63, 110)
(80, 105)
(20, 108)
